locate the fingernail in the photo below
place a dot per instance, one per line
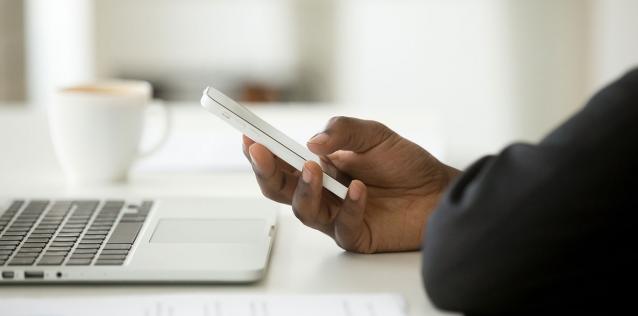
(319, 139)
(306, 175)
(354, 192)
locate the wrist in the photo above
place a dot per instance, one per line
(450, 174)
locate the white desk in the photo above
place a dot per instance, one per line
(303, 260)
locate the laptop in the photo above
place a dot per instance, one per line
(135, 240)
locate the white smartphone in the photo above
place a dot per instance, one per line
(263, 133)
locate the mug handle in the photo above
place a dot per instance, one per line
(158, 106)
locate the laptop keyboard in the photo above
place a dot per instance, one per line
(71, 233)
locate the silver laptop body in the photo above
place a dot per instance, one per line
(135, 240)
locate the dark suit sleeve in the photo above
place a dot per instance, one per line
(546, 226)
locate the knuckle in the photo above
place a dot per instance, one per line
(382, 129)
(268, 193)
(338, 122)
(353, 247)
(267, 189)
(300, 215)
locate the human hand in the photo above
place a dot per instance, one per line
(397, 185)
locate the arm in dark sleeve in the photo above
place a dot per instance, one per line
(546, 226)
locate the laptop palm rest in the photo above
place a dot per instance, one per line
(208, 231)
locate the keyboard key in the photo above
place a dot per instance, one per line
(22, 224)
(79, 262)
(15, 233)
(109, 262)
(78, 221)
(88, 246)
(82, 256)
(56, 253)
(133, 217)
(9, 242)
(34, 245)
(95, 237)
(52, 220)
(113, 204)
(40, 235)
(103, 222)
(114, 252)
(97, 232)
(101, 225)
(93, 251)
(5, 252)
(26, 255)
(74, 225)
(15, 206)
(33, 250)
(62, 244)
(68, 234)
(90, 241)
(111, 257)
(37, 239)
(117, 246)
(51, 260)
(86, 204)
(11, 238)
(21, 261)
(18, 229)
(63, 239)
(48, 224)
(71, 230)
(59, 248)
(8, 247)
(125, 233)
(47, 231)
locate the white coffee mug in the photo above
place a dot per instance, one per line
(96, 129)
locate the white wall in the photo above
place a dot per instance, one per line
(549, 62)
(494, 71)
(192, 41)
(614, 43)
(446, 59)
(60, 45)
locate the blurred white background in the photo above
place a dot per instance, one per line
(481, 74)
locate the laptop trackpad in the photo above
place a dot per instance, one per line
(208, 231)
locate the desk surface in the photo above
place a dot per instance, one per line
(303, 260)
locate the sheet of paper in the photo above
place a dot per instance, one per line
(208, 305)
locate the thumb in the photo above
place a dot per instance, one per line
(351, 232)
(351, 134)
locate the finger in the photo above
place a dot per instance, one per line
(246, 142)
(347, 133)
(306, 202)
(351, 232)
(275, 183)
(354, 164)
(333, 170)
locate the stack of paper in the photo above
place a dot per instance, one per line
(208, 305)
